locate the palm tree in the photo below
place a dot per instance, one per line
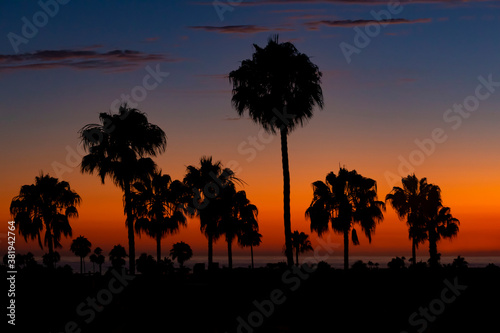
(250, 237)
(48, 204)
(119, 148)
(301, 244)
(97, 258)
(159, 207)
(206, 182)
(50, 260)
(182, 252)
(81, 248)
(116, 256)
(236, 211)
(279, 87)
(408, 202)
(343, 200)
(439, 224)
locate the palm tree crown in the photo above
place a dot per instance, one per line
(48, 204)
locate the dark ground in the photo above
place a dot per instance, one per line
(324, 300)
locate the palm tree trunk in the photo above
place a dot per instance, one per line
(346, 249)
(251, 254)
(433, 256)
(210, 251)
(414, 250)
(230, 254)
(158, 247)
(81, 265)
(297, 256)
(50, 243)
(130, 227)
(286, 196)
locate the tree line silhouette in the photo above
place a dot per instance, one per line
(279, 87)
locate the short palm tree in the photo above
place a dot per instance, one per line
(81, 248)
(344, 200)
(159, 207)
(181, 252)
(205, 183)
(46, 205)
(97, 258)
(279, 87)
(250, 237)
(408, 202)
(116, 256)
(119, 147)
(301, 244)
(236, 211)
(439, 224)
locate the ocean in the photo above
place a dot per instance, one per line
(262, 260)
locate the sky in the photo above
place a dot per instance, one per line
(409, 87)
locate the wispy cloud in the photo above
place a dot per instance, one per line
(238, 29)
(314, 25)
(82, 59)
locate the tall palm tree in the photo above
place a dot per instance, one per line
(301, 244)
(343, 200)
(81, 248)
(159, 206)
(408, 202)
(182, 252)
(279, 87)
(97, 258)
(46, 205)
(119, 147)
(206, 182)
(236, 211)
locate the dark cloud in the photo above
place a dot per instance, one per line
(116, 60)
(238, 29)
(353, 23)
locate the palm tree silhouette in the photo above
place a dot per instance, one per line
(408, 202)
(206, 182)
(48, 204)
(345, 199)
(118, 148)
(279, 88)
(301, 244)
(50, 260)
(116, 256)
(250, 237)
(97, 258)
(81, 248)
(182, 252)
(159, 206)
(236, 211)
(439, 223)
